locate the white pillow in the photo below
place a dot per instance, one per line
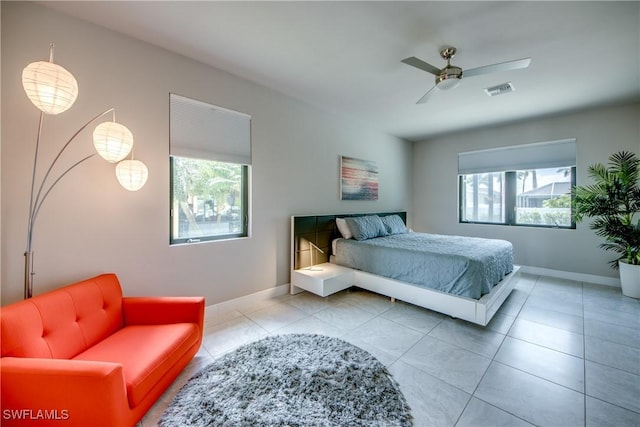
(343, 228)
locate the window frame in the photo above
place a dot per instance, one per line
(244, 207)
(510, 202)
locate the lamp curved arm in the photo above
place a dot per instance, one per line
(37, 208)
(55, 160)
(33, 180)
(36, 204)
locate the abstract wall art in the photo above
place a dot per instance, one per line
(358, 179)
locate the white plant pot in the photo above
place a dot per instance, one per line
(629, 279)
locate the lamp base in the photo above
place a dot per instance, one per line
(28, 274)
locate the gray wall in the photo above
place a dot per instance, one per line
(598, 133)
(91, 225)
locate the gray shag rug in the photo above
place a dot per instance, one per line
(291, 380)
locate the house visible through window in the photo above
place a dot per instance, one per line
(523, 185)
(543, 197)
(210, 162)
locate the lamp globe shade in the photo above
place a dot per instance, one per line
(112, 141)
(132, 174)
(49, 86)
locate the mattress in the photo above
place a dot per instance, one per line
(464, 266)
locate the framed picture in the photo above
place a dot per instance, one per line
(358, 179)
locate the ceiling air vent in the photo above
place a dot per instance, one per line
(500, 89)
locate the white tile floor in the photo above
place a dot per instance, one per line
(558, 353)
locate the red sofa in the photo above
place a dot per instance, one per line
(84, 355)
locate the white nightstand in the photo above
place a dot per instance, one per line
(324, 279)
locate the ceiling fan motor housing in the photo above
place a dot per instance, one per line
(449, 77)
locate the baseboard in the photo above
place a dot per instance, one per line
(247, 300)
(580, 277)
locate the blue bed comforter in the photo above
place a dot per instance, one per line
(465, 266)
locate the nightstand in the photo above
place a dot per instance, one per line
(324, 279)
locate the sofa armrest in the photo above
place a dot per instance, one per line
(163, 310)
(70, 392)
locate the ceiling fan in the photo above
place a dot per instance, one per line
(450, 76)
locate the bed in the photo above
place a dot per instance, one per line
(466, 278)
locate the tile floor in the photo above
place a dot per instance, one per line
(558, 353)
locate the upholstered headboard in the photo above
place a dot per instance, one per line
(319, 230)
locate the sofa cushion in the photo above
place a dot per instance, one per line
(64, 322)
(146, 353)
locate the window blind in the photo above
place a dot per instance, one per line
(540, 155)
(204, 131)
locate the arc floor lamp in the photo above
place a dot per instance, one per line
(53, 90)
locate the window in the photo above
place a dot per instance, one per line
(210, 157)
(209, 200)
(527, 185)
(482, 197)
(543, 197)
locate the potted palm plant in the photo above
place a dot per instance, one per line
(613, 203)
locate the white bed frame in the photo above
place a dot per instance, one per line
(479, 311)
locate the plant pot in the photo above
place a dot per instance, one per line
(629, 279)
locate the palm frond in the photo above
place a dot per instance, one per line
(613, 203)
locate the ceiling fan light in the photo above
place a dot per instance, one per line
(49, 86)
(112, 141)
(449, 78)
(132, 174)
(448, 83)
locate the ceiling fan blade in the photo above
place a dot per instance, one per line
(503, 66)
(427, 95)
(420, 64)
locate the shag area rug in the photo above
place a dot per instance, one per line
(291, 380)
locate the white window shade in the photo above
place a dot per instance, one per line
(519, 157)
(203, 131)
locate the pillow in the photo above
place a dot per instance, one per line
(366, 227)
(343, 228)
(394, 224)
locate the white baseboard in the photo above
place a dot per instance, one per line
(247, 300)
(580, 277)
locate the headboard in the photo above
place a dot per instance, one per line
(319, 230)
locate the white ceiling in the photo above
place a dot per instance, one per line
(345, 56)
